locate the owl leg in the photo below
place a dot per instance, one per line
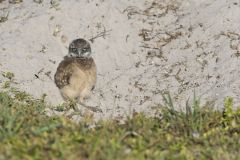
(81, 99)
(85, 94)
(81, 102)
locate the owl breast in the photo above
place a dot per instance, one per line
(76, 78)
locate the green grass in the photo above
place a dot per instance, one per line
(26, 132)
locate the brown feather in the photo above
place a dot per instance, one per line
(75, 77)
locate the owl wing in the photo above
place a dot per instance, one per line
(63, 73)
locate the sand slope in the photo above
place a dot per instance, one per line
(145, 48)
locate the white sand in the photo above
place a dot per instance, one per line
(195, 46)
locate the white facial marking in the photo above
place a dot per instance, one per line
(87, 54)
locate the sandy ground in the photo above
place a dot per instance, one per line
(142, 48)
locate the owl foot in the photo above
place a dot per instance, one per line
(94, 109)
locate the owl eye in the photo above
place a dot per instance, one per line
(74, 49)
(84, 50)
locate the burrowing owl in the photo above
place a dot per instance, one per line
(76, 74)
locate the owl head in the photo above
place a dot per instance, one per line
(79, 48)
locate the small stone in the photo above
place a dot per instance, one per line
(57, 30)
(64, 39)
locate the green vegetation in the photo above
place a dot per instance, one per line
(26, 132)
